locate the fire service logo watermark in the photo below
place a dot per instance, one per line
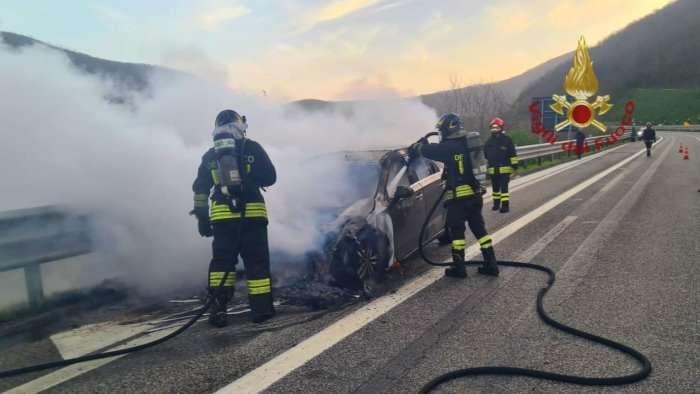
(580, 83)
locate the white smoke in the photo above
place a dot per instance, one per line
(132, 166)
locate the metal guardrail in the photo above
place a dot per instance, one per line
(31, 237)
(691, 128)
(540, 150)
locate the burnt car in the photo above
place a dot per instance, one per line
(377, 216)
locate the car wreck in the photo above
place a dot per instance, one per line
(379, 220)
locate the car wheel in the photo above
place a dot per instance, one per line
(372, 256)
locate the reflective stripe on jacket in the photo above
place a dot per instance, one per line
(500, 153)
(259, 172)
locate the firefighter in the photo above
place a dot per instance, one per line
(250, 169)
(463, 198)
(503, 161)
(649, 137)
(580, 140)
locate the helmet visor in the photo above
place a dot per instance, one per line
(235, 128)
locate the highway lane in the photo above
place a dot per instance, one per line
(619, 291)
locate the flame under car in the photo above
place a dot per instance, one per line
(378, 214)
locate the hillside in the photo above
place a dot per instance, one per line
(133, 75)
(667, 106)
(659, 51)
(511, 87)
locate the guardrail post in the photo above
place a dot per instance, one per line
(35, 287)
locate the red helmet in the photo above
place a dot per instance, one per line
(497, 122)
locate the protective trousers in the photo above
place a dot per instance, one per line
(468, 210)
(499, 183)
(253, 248)
(648, 143)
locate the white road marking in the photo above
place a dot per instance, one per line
(64, 374)
(272, 371)
(92, 337)
(578, 265)
(546, 239)
(555, 231)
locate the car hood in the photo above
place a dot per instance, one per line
(357, 210)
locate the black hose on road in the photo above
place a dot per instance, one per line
(501, 370)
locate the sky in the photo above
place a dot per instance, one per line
(327, 49)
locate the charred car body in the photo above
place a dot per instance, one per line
(379, 216)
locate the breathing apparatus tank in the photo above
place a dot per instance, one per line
(228, 161)
(476, 153)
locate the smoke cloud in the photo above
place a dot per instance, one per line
(132, 165)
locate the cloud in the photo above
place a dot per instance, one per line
(392, 5)
(437, 26)
(212, 19)
(195, 60)
(337, 9)
(107, 13)
(378, 87)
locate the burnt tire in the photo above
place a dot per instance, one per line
(359, 263)
(373, 255)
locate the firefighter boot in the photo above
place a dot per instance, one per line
(490, 266)
(496, 205)
(217, 312)
(257, 319)
(458, 268)
(505, 207)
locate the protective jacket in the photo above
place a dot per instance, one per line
(259, 172)
(649, 134)
(458, 173)
(499, 151)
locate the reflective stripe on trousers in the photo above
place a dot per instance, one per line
(501, 170)
(252, 210)
(216, 277)
(259, 286)
(485, 242)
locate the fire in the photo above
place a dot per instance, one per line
(581, 81)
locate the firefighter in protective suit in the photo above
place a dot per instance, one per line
(463, 196)
(237, 218)
(649, 137)
(499, 151)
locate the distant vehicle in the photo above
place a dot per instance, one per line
(377, 215)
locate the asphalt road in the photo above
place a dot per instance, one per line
(626, 253)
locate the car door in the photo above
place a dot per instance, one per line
(432, 186)
(406, 213)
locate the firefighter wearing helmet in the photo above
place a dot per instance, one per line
(463, 196)
(499, 151)
(230, 176)
(649, 137)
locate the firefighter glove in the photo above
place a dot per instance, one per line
(413, 151)
(204, 226)
(201, 212)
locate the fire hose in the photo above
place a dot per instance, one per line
(513, 371)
